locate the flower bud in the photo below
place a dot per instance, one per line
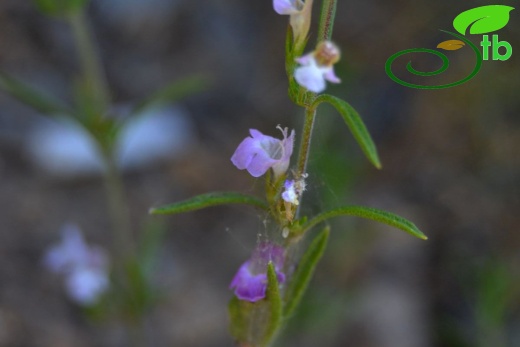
(300, 17)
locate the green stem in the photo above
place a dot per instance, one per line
(328, 12)
(123, 243)
(303, 158)
(91, 67)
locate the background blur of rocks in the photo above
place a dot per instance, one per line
(451, 164)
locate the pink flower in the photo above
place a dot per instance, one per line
(260, 152)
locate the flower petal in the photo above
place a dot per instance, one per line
(285, 7)
(244, 153)
(260, 163)
(331, 76)
(307, 59)
(247, 286)
(310, 77)
(86, 285)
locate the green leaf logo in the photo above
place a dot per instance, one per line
(482, 20)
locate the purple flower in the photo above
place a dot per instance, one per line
(250, 282)
(287, 6)
(86, 285)
(317, 67)
(260, 152)
(85, 268)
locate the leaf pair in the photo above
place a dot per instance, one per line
(227, 198)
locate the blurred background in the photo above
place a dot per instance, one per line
(450, 159)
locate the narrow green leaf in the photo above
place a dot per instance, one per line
(355, 124)
(31, 97)
(172, 92)
(304, 272)
(211, 199)
(368, 213)
(274, 301)
(483, 19)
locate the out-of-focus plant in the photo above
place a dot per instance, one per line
(131, 293)
(269, 286)
(497, 295)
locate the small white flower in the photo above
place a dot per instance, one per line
(290, 195)
(294, 190)
(312, 76)
(318, 67)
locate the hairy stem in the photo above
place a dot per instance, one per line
(310, 115)
(328, 12)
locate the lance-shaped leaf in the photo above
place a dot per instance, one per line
(304, 271)
(171, 93)
(240, 313)
(274, 302)
(355, 124)
(368, 213)
(31, 97)
(483, 19)
(207, 200)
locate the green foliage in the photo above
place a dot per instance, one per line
(483, 19)
(210, 199)
(368, 213)
(495, 294)
(274, 301)
(355, 124)
(171, 93)
(59, 7)
(303, 274)
(32, 97)
(239, 312)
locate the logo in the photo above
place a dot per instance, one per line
(479, 20)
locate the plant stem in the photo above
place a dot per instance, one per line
(95, 103)
(123, 243)
(303, 158)
(328, 12)
(93, 75)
